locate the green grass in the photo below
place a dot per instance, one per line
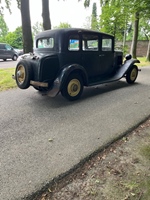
(146, 152)
(6, 81)
(143, 62)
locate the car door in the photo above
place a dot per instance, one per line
(2, 51)
(90, 53)
(8, 51)
(106, 55)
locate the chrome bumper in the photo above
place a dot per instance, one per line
(37, 83)
(34, 83)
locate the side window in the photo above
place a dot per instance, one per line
(73, 44)
(106, 44)
(90, 42)
(8, 47)
(45, 43)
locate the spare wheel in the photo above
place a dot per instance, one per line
(23, 74)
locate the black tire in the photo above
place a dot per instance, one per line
(15, 57)
(23, 74)
(4, 59)
(132, 74)
(73, 87)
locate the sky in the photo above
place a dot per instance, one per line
(68, 11)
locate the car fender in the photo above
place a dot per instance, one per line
(63, 75)
(129, 63)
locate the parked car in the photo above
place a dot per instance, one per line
(19, 51)
(7, 52)
(66, 60)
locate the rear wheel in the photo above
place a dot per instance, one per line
(23, 74)
(132, 74)
(73, 87)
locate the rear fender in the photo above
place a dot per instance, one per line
(63, 75)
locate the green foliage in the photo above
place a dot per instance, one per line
(14, 38)
(63, 25)
(94, 22)
(7, 5)
(3, 27)
(114, 19)
(36, 28)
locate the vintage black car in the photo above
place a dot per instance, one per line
(66, 60)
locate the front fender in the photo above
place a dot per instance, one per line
(63, 75)
(129, 63)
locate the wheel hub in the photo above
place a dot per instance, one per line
(21, 74)
(74, 87)
(133, 74)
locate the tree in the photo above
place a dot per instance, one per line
(145, 33)
(23, 5)
(118, 15)
(46, 15)
(94, 23)
(135, 35)
(36, 28)
(14, 38)
(7, 3)
(26, 26)
(113, 19)
(3, 27)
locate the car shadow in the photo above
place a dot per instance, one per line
(88, 93)
(104, 88)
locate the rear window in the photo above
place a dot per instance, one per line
(45, 43)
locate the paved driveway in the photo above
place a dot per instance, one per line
(43, 137)
(7, 64)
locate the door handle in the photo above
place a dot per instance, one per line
(101, 55)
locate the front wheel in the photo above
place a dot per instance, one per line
(132, 74)
(73, 87)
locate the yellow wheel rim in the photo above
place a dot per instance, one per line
(74, 87)
(20, 74)
(133, 74)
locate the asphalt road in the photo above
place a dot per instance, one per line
(43, 137)
(7, 64)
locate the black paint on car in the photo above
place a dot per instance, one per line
(66, 60)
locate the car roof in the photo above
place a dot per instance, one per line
(66, 30)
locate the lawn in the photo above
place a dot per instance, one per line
(143, 62)
(6, 81)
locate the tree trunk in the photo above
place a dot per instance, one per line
(135, 35)
(148, 52)
(46, 15)
(26, 26)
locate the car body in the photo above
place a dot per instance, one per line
(66, 60)
(7, 52)
(19, 51)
